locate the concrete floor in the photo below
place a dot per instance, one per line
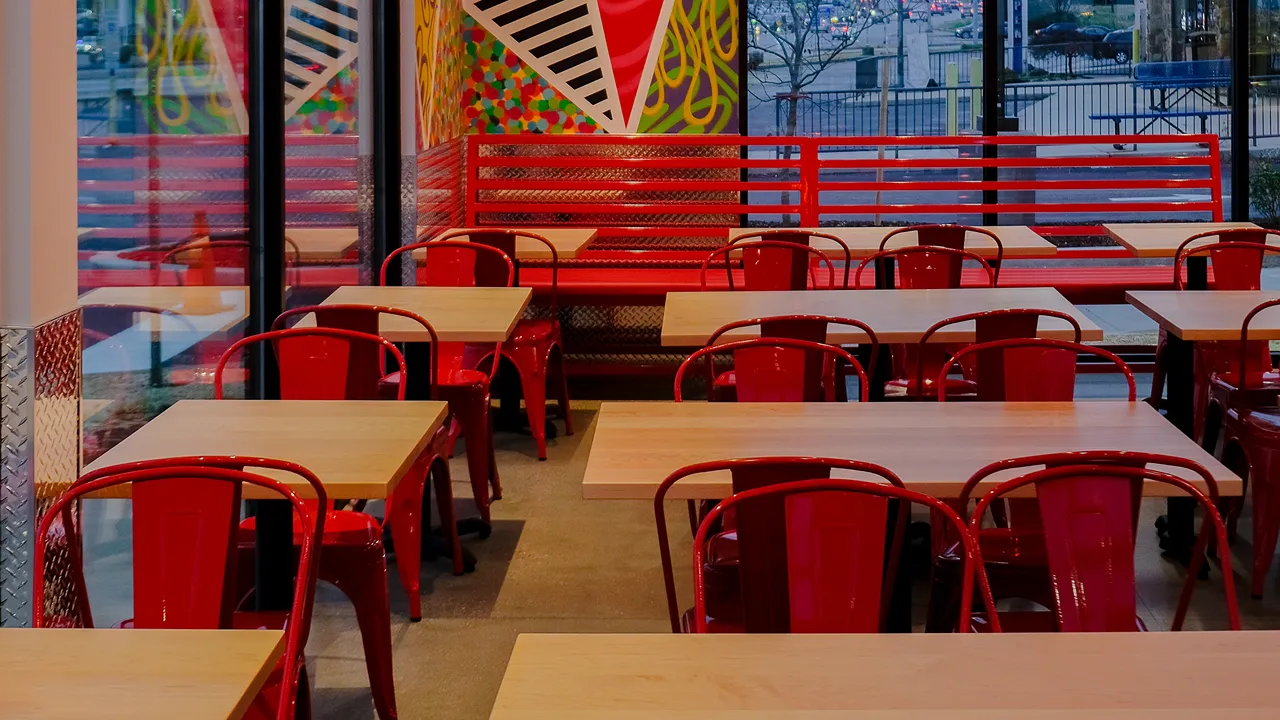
(558, 563)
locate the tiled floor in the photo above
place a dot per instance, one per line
(558, 563)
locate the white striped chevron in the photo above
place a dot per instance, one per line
(308, 38)
(563, 41)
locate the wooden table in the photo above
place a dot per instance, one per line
(358, 449)
(568, 242)
(1049, 675)
(1019, 241)
(933, 447)
(1161, 240)
(1213, 315)
(135, 674)
(209, 309)
(463, 314)
(897, 316)
(323, 243)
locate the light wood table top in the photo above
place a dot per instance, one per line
(1019, 241)
(358, 449)
(463, 314)
(933, 447)
(568, 242)
(1013, 675)
(209, 309)
(324, 243)
(1215, 315)
(1161, 240)
(897, 316)
(135, 674)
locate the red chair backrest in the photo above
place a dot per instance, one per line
(927, 267)
(1236, 256)
(1033, 369)
(456, 263)
(185, 518)
(1259, 349)
(203, 256)
(804, 238)
(811, 549)
(365, 319)
(988, 325)
(813, 328)
(773, 265)
(779, 370)
(947, 236)
(504, 239)
(1089, 514)
(322, 363)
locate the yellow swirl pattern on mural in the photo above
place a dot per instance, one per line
(173, 53)
(696, 48)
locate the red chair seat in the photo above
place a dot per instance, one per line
(341, 527)
(534, 330)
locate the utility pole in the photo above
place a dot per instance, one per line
(902, 71)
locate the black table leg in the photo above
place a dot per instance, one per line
(885, 273)
(1177, 527)
(274, 565)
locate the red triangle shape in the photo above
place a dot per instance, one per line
(230, 22)
(629, 27)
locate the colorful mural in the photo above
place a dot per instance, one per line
(695, 85)
(604, 69)
(439, 34)
(503, 95)
(333, 110)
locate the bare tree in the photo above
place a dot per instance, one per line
(792, 35)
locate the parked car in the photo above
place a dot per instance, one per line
(1056, 34)
(973, 31)
(1117, 45)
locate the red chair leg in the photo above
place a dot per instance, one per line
(361, 574)
(1266, 519)
(443, 485)
(404, 514)
(560, 379)
(494, 482)
(531, 364)
(470, 408)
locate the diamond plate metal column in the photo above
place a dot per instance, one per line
(17, 475)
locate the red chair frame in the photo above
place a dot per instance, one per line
(337, 333)
(792, 247)
(176, 470)
(973, 564)
(1047, 343)
(1252, 239)
(958, 255)
(808, 345)
(489, 238)
(793, 236)
(208, 242)
(803, 327)
(991, 325)
(427, 246)
(947, 235)
(1062, 466)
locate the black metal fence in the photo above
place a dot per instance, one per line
(1042, 108)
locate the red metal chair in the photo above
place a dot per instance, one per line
(1247, 405)
(772, 265)
(807, 552)
(779, 369)
(184, 564)
(1013, 544)
(1088, 504)
(455, 263)
(1237, 258)
(796, 236)
(203, 256)
(946, 236)
(459, 386)
(798, 327)
(926, 267)
(1031, 369)
(536, 348)
(927, 357)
